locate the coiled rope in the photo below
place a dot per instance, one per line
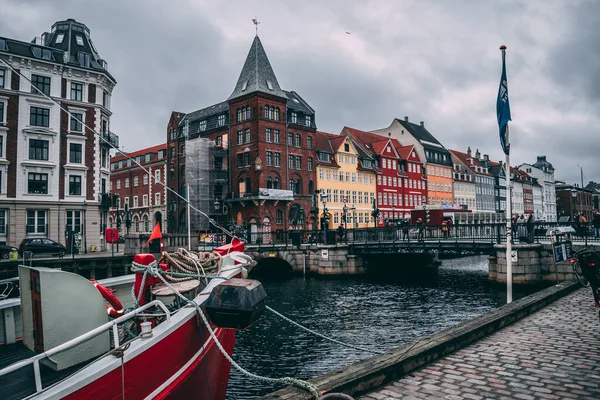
(153, 270)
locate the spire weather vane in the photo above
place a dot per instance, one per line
(256, 22)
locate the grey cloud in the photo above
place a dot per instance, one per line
(431, 60)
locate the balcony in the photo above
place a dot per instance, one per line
(259, 197)
(110, 138)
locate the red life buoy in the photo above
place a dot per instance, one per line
(114, 308)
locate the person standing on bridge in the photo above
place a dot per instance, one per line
(421, 229)
(405, 230)
(444, 229)
(530, 229)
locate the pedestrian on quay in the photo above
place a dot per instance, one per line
(420, 227)
(340, 233)
(596, 223)
(449, 223)
(405, 230)
(444, 229)
(582, 224)
(530, 229)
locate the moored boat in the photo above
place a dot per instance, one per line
(157, 347)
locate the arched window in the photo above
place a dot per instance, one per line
(269, 183)
(298, 187)
(242, 186)
(290, 139)
(146, 224)
(136, 224)
(309, 142)
(279, 217)
(271, 112)
(277, 114)
(248, 112)
(311, 187)
(267, 112)
(276, 183)
(239, 115)
(298, 140)
(248, 185)
(292, 184)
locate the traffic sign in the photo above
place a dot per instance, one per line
(344, 199)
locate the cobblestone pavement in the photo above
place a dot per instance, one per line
(551, 354)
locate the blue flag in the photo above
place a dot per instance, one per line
(503, 109)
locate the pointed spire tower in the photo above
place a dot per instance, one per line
(257, 74)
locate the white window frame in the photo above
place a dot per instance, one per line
(36, 226)
(81, 111)
(157, 175)
(145, 200)
(157, 199)
(4, 115)
(126, 183)
(136, 181)
(135, 202)
(145, 179)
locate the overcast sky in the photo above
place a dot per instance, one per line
(434, 61)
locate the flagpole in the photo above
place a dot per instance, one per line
(508, 210)
(187, 192)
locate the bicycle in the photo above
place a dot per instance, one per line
(586, 267)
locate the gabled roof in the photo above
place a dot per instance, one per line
(134, 154)
(403, 151)
(373, 143)
(466, 160)
(322, 143)
(336, 141)
(421, 134)
(257, 74)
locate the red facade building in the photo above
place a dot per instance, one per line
(266, 172)
(401, 182)
(141, 190)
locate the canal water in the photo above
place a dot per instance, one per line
(375, 311)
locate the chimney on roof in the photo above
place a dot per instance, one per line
(469, 151)
(477, 154)
(422, 123)
(486, 157)
(406, 118)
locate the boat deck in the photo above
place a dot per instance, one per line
(21, 383)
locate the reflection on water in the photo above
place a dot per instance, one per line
(371, 311)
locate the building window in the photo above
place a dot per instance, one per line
(1, 111)
(309, 143)
(76, 91)
(219, 141)
(75, 153)
(276, 137)
(279, 217)
(156, 199)
(268, 137)
(298, 162)
(247, 135)
(135, 202)
(75, 185)
(277, 159)
(2, 77)
(294, 117)
(1, 149)
(308, 120)
(37, 183)
(269, 158)
(269, 183)
(290, 139)
(145, 179)
(247, 159)
(291, 162)
(298, 140)
(73, 221)
(36, 221)
(240, 160)
(240, 137)
(39, 116)
(310, 164)
(277, 114)
(38, 149)
(76, 122)
(42, 83)
(105, 103)
(135, 181)
(220, 120)
(126, 183)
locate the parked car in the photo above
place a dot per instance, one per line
(5, 250)
(42, 246)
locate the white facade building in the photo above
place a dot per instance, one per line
(54, 172)
(543, 171)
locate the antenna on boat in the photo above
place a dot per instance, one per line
(210, 220)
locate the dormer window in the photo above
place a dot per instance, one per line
(84, 59)
(220, 120)
(270, 85)
(308, 120)
(79, 40)
(2, 44)
(59, 38)
(38, 52)
(244, 86)
(202, 125)
(294, 117)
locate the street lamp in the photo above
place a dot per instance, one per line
(325, 222)
(84, 208)
(345, 214)
(353, 209)
(573, 198)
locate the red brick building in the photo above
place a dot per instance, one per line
(141, 191)
(266, 135)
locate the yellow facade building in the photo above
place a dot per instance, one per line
(345, 177)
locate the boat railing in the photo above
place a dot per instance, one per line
(35, 360)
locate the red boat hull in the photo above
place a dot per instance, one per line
(161, 370)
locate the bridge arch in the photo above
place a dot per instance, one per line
(272, 267)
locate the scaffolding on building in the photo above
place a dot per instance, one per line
(206, 181)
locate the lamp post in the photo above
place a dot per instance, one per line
(353, 209)
(325, 223)
(84, 208)
(573, 198)
(345, 214)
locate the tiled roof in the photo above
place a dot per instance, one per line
(420, 133)
(206, 112)
(376, 144)
(403, 151)
(134, 154)
(323, 145)
(257, 74)
(297, 103)
(464, 158)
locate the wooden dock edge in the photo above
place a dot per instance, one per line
(374, 372)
